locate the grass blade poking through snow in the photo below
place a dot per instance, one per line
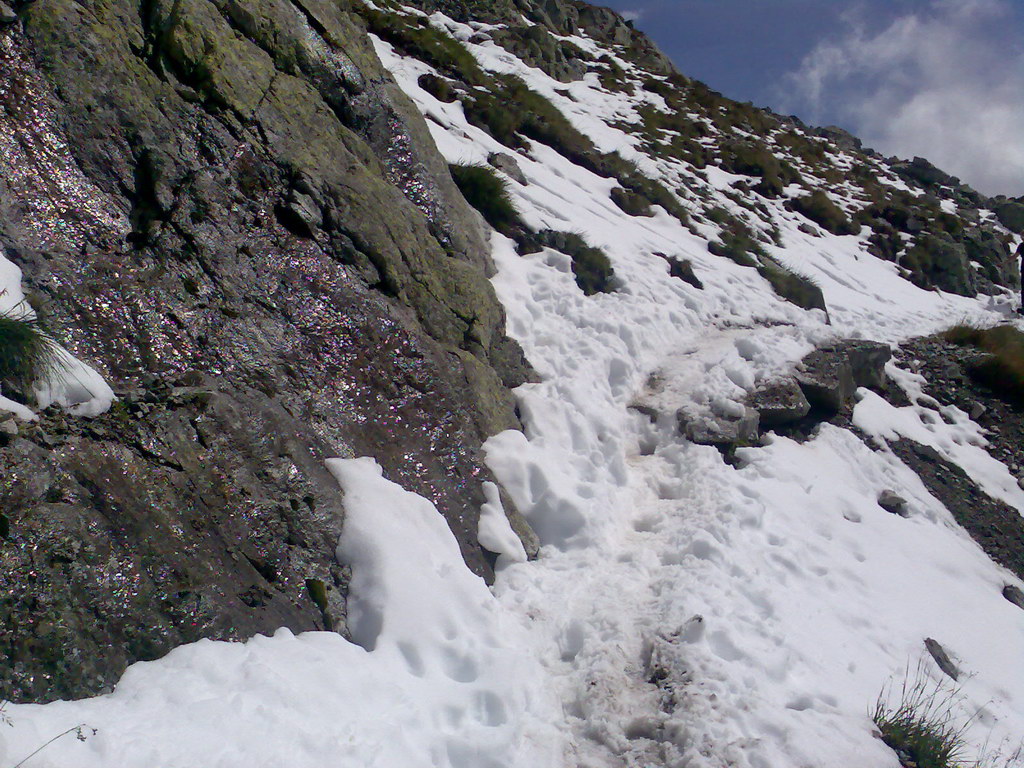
(922, 726)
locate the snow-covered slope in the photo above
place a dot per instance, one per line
(684, 610)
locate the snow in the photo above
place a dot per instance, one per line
(684, 611)
(495, 532)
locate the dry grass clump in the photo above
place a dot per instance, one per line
(486, 191)
(1001, 368)
(27, 351)
(922, 726)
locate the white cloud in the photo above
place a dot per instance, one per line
(945, 83)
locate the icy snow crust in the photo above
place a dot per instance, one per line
(683, 612)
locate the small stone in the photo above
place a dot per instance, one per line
(891, 502)
(942, 658)
(1014, 595)
(9, 427)
(977, 410)
(7, 14)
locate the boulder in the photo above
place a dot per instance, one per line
(1014, 595)
(829, 376)
(891, 502)
(721, 431)
(826, 379)
(539, 48)
(998, 264)
(841, 138)
(508, 165)
(923, 172)
(867, 362)
(1011, 216)
(779, 402)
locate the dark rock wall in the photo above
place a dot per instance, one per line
(231, 211)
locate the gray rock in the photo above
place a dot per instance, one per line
(923, 172)
(1014, 595)
(9, 427)
(780, 402)
(867, 362)
(891, 502)
(508, 165)
(829, 376)
(720, 431)
(539, 48)
(7, 14)
(942, 658)
(826, 379)
(998, 265)
(139, 530)
(841, 138)
(1011, 216)
(977, 411)
(943, 262)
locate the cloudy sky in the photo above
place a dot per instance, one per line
(936, 78)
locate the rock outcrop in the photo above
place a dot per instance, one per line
(235, 196)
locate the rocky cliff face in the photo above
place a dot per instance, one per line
(232, 211)
(234, 214)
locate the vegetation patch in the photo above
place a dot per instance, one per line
(736, 239)
(922, 727)
(590, 266)
(486, 191)
(413, 36)
(792, 286)
(437, 87)
(748, 158)
(1001, 367)
(27, 351)
(631, 202)
(820, 209)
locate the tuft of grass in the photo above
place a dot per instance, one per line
(1002, 368)
(488, 193)
(802, 290)
(820, 209)
(27, 351)
(591, 267)
(922, 727)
